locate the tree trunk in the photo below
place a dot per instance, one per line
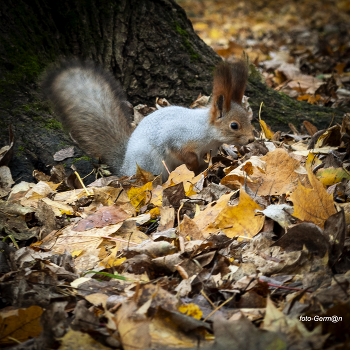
(149, 45)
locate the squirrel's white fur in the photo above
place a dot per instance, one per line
(92, 106)
(149, 146)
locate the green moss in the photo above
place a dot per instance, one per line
(31, 107)
(81, 158)
(195, 57)
(181, 31)
(53, 124)
(63, 144)
(255, 74)
(25, 64)
(20, 151)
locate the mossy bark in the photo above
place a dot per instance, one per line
(150, 47)
(279, 110)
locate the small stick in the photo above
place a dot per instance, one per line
(82, 183)
(219, 307)
(166, 167)
(282, 287)
(206, 297)
(181, 244)
(331, 121)
(178, 216)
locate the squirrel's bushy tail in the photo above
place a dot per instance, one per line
(91, 104)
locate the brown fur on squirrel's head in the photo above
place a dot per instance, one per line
(227, 113)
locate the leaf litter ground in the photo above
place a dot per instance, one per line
(251, 254)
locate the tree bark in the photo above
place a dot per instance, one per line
(150, 47)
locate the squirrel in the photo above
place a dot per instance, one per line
(91, 104)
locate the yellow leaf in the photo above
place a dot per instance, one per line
(138, 195)
(312, 161)
(331, 176)
(191, 310)
(190, 191)
(314, 204)
(154, 213)
(266, 130)
(303, 97)
(204, 218)
(216, 34)
(77, 253)
(157, 196)
(111, 260)
(240, 220)
(180, 174)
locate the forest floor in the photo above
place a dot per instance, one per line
(253, 253)
(301, 47)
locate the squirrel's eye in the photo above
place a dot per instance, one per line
(234, 126)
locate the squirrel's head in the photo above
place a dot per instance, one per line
(227, 114)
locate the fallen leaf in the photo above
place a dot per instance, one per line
(20, 324)
(138, 195)
(239, 220)
(331, 176)
(207, 216)
(279, 176)
(103, 217)
(315, 204)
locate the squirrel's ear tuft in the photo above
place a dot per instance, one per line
(229, 85)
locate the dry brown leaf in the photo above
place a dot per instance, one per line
(20, 324)
(305, 84)
(133, 327)
(311, 129)
(143, 175)
(315, 204)
(156, 196)
(167, 218)
(188, 227)
(103, 217)
(279, 177)
(254, 165)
